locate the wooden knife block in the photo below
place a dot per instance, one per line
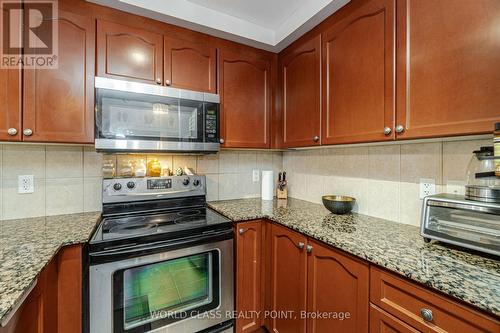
(282, 194)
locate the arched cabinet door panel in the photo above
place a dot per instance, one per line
(190, 65)
(128, 53)
(58, 104)
(245, 89)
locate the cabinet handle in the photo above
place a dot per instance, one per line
(316, 138)
(167, 82)
(221, 140)
(301, 245)
(241, 231)
(387, 130)
(12, 131)
(158, 81)
(309, 248)
(400, 129)
(426, 314)
(27, 132)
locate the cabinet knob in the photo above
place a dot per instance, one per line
(158, 81)
(301, 245)
(387, 130)
(241, 231)
(400, 128)
(12, 131)
(221, 140)
(426, 314)
(27, 132)
(316, 138)
(309, 248)
(167, 82)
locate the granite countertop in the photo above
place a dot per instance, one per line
(27, 246)
(471, 278)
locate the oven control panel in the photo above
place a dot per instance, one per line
(150, 188)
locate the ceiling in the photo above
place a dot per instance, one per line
(267, 24)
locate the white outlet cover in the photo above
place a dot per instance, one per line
(26, 184)
(427, 187)
(255, 176)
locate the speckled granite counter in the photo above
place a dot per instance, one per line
(27, 245)
(397, 247)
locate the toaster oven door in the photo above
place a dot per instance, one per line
(470, 228)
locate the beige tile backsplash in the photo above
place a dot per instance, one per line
(384, 179)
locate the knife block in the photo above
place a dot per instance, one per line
(282, 194)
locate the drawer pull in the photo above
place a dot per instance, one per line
(426, 314)
(301, 245)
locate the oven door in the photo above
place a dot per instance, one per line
(183, 290)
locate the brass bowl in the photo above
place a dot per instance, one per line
(338, 204)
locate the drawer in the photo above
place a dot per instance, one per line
(382, 322)
(406, 300)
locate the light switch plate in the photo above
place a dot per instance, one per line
(26, 184)
(427, 187)
(255, 176)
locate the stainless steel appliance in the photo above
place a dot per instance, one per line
(160, 260)
(481, 182)
(132, 116)
(454, 219)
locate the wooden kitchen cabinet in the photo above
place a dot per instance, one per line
(245, 90)
(10, 99)
(190, 65)
(358, 75)
(337, 283)
(249, 275)
(383, 322)
(55, 303)
(448, 67)
(288, 280)
(58, 104)
(406, 301)
(300, 71)
(128, 53)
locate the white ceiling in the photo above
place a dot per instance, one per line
(267, 24)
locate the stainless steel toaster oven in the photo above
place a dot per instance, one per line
(453, 219)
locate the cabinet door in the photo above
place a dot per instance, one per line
(58, 104)
(448, 67)
(358, 76)
(382, 322)
(288, 280)
(301, 80)
(249, 275)
(128, 53)
(10, 99)
(190, 65)
(245, 100)
(69, 286)
(337, 284)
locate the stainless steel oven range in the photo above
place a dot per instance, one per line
(160, 260)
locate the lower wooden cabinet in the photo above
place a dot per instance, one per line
(382, 322)
(55, 303)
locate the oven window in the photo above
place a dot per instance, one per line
(153, 295)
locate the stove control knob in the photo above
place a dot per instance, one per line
(196, 182)
(117, 186)
(185, 182)
(131, 185)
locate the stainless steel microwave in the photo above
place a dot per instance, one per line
(138, 117)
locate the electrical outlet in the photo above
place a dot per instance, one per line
(427, 187)
(26, 184)
(255, 176)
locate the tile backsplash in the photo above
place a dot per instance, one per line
(384, 178)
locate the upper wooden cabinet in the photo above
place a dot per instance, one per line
(129, 53)
(300, 71)
(245, 89)
(249, 275)
(10, 99)
(358, 75)
(448, 67)
(190, 65)
(288, 280)
(336, 284)
(58, 104)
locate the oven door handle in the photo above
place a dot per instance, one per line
(141, 250)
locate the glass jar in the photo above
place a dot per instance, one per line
(154, 168)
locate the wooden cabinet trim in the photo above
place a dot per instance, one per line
(11, 114)
(383, 322)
